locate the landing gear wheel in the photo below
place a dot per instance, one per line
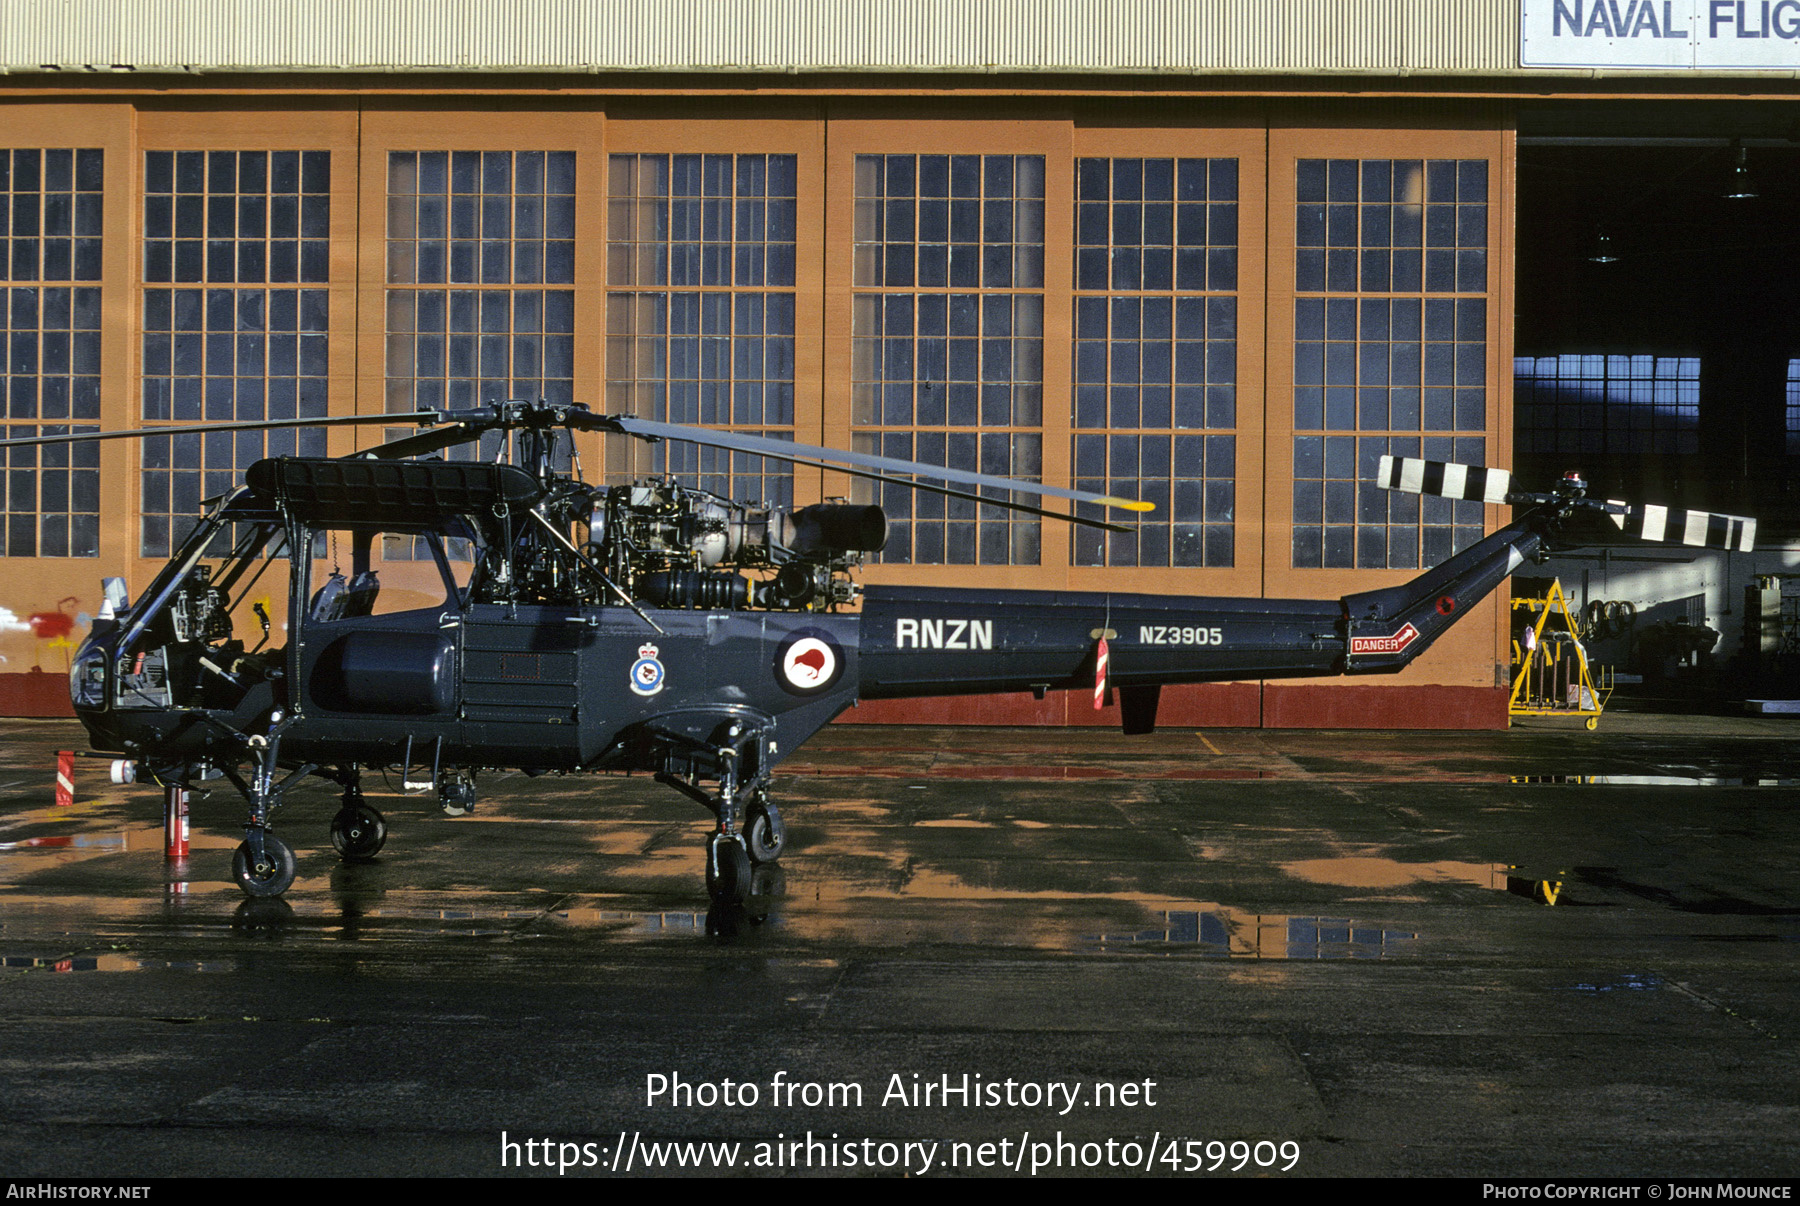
(727, 870)
(271, 875)
(765, 834)
(456, 794)
(358, 833)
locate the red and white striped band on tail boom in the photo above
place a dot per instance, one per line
(1703, 529)
(1446, 479)
(1100, 675)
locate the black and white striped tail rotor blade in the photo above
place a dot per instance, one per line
(1701, 529)
(1446, 479)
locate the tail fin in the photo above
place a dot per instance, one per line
(1389, 628)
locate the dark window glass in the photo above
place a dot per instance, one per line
(1390, 349)
(947, 343)
(1156, 356)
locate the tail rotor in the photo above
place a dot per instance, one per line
(1657, 524)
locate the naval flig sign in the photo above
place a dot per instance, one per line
(1698, 34)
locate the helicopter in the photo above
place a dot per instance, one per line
(531, 621)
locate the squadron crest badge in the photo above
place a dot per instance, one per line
(647, 671)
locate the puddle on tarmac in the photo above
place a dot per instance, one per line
(115, 963)
(1222, 932)
(1630, 982)
(1371, 871)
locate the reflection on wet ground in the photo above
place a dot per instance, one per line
(1415, 953)
(1075, 841)
(1228, 933)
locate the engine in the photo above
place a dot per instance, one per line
(668, 545)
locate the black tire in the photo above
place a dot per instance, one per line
(272, 876)
(1593, 621)
(727, 871)
(765, 834)
(358, 833)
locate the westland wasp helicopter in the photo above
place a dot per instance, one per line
(567, 627)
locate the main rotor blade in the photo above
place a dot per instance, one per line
(139, 433)
(424, 442)
(948, 492)
(833, 458)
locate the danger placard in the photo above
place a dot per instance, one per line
(1385, 644)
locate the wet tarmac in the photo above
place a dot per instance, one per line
(1539, 952)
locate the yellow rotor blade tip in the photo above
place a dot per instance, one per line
(1129, 504)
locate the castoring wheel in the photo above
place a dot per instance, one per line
(358, 833)
(765, 834)
(268, 875)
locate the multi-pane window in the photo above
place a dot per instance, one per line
(51, 507)
(947, 333)
(50, 224)
(231, 330)
(1156, 244)
(229, 355)
(700, 313)
(455, 349)
(1793, 407)
(1605, 404)
(473, 240)
(50, 211)
(1390, 354)
(1331, 477)
(249, 217)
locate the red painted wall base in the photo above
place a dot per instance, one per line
(1202, 705)
(36, 693)
(1219, 706)
(1287, 706)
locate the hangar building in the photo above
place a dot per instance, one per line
(1217, 254)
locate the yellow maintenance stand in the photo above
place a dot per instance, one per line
(1551, 676)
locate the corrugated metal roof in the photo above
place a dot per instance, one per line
(1141, 36)
(1380, 37)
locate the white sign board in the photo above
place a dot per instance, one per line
(1706, 35)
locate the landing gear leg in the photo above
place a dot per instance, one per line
(727, 858)
(264, 865)
(746, 835)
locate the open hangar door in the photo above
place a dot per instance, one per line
(1657, 351)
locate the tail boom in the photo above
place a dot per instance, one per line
(920, 641)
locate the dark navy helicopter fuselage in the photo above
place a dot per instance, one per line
(549, 626)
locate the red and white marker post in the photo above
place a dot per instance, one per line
(65, 778)
(175, 824)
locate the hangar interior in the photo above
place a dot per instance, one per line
(1657, 343)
